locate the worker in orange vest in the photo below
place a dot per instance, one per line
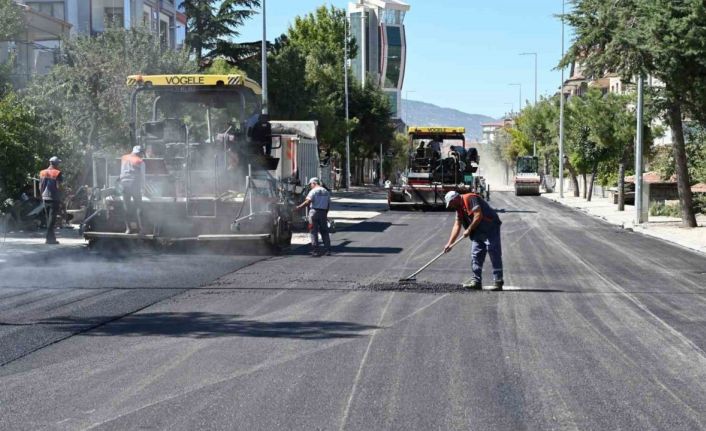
(132, 180)
(50, 180)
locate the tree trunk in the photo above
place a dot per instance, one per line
(572, 174)
(585, 184)
(594, 172)
(621, 184)
(683, 181)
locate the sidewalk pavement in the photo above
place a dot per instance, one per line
(349, 207)
(23, 245)
(665, 228)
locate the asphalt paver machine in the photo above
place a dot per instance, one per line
(439, 161)
(209, 168)
(527, 178)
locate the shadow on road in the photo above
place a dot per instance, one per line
(344, 248)
(369, 226)
(209, 325)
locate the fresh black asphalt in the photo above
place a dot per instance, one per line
(598, 328)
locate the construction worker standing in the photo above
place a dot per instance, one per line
(482, 225)
(132, 180)
(50, 180)
(320, 201)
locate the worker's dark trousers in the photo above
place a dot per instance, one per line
(482, 244)
(318, 223)
(51, 210)
(132, 201)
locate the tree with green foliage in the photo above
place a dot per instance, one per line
(84, 99)
(21, 143)
(537, 125)
(600, 127)
(659, 38)
(695, 147)
(306, 83)
(11, 23)
(11, 20)
(212, 24)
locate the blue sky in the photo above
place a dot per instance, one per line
(462, 54)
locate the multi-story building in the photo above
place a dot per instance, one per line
(50, 20)
(490, 130)
(578, 84)
(378, 28)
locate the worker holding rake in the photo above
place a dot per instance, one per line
(482, 225)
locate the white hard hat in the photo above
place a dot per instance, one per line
(137, 149)
(314, 180)
(55, 160)
(450, 196)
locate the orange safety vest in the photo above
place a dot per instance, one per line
(50, 173)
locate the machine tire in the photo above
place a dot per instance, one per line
(281, 236)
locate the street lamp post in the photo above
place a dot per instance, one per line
(520, 98)
(264, 58)
(535, 73)
(638, 152)
(348, 133)
(561, 110)
(534, 143)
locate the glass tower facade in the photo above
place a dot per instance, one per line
(378, 28)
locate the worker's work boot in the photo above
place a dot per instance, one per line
(498, 285)
(473, 285)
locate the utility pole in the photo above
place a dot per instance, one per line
(264, 58)
(561, 110)
(348, 133)
(638, 152)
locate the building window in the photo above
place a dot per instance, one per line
(355, 32)
(54, 9)
(147, 17)
(164, 33)
(113, 17)
(393, 17)
(394, 57)
(392, 97)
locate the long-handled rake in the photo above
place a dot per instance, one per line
(413, 278)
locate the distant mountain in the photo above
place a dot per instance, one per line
(417, 113)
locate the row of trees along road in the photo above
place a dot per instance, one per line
(599, 138)
(81, 106)
(664, 39)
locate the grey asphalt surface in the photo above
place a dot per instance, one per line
(599, 329)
